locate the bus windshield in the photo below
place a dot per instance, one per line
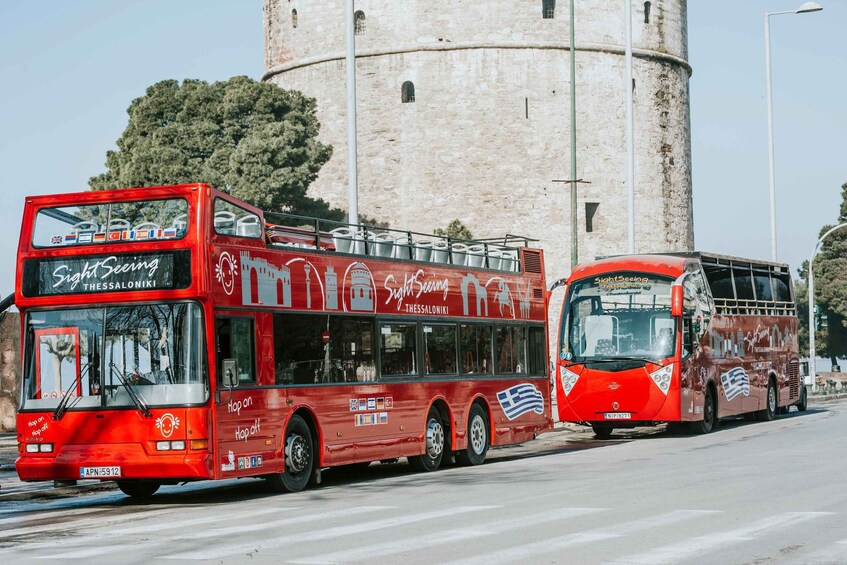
(618, 315)
(117, 356)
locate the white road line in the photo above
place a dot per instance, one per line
(376, 551)
(84, 523)
(526, 551)
(17, 520)
(339, 531)
(175, 525)
(190, 534)
(702, 545)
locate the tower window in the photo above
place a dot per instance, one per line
(590, 211)
(407, 92)
(359, 20)
(294, 18)
(647, 12)
(548, 9)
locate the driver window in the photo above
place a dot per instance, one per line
(601, 335)
(235, 341)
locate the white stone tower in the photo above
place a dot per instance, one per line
(485, 129)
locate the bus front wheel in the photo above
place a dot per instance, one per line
(478, 440)
(138, 489)
(433, 446)
(803, 403)
(299, 458)
(710, 414)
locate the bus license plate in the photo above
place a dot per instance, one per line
(99, 472)
(617, 415)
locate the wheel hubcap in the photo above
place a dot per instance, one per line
(477, 435)
(296, 453)
(434, 439)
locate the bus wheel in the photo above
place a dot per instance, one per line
(602, 432)
(478, 440)
(431, 458)
(769, 412)
(710, 414)
(299, 458)
(138, 489)
(803, 403)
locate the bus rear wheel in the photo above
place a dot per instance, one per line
(710, 414)
(138, 489)
(478, 438)
(299, 458)
(768, 413)
(433, 445)
(803, 403)
(602, 432)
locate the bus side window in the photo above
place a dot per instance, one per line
(235, 341)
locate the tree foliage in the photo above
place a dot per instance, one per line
(830, 289)
(456, 230)
(252, 140)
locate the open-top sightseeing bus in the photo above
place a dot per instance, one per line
(677, 338)
(175, 334)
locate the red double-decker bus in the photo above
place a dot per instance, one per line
(690, 338)
(175, 334)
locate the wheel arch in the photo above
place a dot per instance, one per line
(311, 420)
(447, 417)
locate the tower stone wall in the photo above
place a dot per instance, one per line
(489, 128)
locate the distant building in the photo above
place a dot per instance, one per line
(464, 112)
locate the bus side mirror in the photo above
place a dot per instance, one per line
(230, 373)
(676, 300)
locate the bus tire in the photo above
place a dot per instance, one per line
(803, 403)
(478, 438)
(710, 414)
(602, 432)
(433, 444)
(138, 489)
(768, 413)
(299, 455)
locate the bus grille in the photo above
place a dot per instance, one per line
(794, 379)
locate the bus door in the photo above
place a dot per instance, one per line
(245, 440)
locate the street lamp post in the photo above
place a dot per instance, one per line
(352, 152)
(812, 368)
(806, 8)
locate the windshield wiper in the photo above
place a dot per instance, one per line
(614, 359)
(136, 398)
(66, 399)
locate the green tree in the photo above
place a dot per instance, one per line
(250, 139)
(455, 229)
(830, 290)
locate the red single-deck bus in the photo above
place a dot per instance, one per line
(677, 338)
(174, 334)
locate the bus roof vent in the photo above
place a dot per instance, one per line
(532, 261)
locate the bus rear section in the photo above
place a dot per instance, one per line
(617, 355)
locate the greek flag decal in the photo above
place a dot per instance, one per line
(735, 382)
(521, 399)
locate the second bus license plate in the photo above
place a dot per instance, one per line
(617, 415)
(99, 472)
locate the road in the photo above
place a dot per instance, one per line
(749, 493)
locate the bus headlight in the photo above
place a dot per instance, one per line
(662, 378)
(568, 378)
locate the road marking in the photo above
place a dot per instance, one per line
(76, 524)
(329, 533)
(702, 545)
(17, 520)
(191, 534)
(159, 526)
(376, 551)
(526, 551)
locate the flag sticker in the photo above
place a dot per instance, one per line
(735, 382)
(56, 239)
(520, 399)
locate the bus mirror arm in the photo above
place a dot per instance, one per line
(676, 300)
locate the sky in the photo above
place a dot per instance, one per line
(69, 71)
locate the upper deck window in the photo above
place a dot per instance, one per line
(235, 220)
(111, 222)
